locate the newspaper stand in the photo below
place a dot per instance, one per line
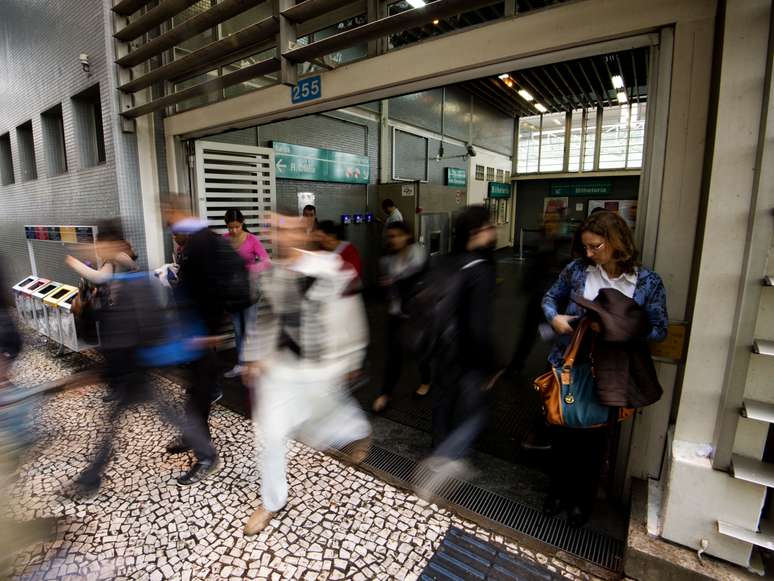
(29, 300)
(68, 331)
(20, 297)
(51, 304)
(41, 312)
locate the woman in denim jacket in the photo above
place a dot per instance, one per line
(609, 259)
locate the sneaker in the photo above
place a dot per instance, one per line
(358, 450)
(236, 371)
(177, 446)
(435, 473)
(380, 404)
(110, 396)
(258, 521)
(199, 471)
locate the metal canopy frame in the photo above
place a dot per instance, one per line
(144, 37)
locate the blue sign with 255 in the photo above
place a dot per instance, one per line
(307, 89)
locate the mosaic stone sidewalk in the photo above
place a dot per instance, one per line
(340, 523)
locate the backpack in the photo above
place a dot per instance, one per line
(430, 322)
(230, 278)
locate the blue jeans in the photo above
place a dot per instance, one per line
(240, 321)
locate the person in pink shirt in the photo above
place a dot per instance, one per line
(256, 260)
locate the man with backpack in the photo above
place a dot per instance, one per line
(455, 328)
(212, 281)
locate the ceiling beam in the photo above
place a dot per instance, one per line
(476, 88)
(501, 90)
(262, 68)
(525, 83)
(205, 59)
(152, 18)
(589, 102)
(548, 99)
(605, 93)
(576, 98)
(597, 96)
(566, 101)
(218, 13)
(384, 26)
(129, 7)
(636, 81)
(517, 103)
(310, 9)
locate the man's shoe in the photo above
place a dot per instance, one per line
(535, 441)
(552, 506)
(577, 517)
(199, 471)
(358, 450)
(236, 371)
(258, 521)
(110, 396)
(177, 446)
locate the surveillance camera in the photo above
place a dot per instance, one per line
(84, 58)
(471, 151)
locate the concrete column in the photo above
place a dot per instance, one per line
(696, 495)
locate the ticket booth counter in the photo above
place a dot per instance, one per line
(39, 308)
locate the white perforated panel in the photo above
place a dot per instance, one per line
(236, 176)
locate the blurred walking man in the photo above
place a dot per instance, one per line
(298, 355)
(212, 280)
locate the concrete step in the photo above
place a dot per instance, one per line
(758, 410)
(752, 470)
(762, 538)
(763, 347)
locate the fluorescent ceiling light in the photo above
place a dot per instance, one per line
(557, 122)
(526, 95)
(617, 81)
(540, 107)
(622, 98)
(504, 76)
(416, 3)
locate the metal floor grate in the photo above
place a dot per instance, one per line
(585, 543)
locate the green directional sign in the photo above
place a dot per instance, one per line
(298, 162)
(582, 188)
(456, 177)
(499, 190)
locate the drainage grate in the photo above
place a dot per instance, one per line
(588, 544)
(463, 556)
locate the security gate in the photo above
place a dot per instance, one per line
(236, 176)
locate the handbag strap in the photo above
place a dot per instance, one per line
(577, 338)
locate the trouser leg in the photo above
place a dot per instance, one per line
(469, 419)
(198, 404)
(393, 363)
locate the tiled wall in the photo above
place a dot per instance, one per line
(39, 68)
